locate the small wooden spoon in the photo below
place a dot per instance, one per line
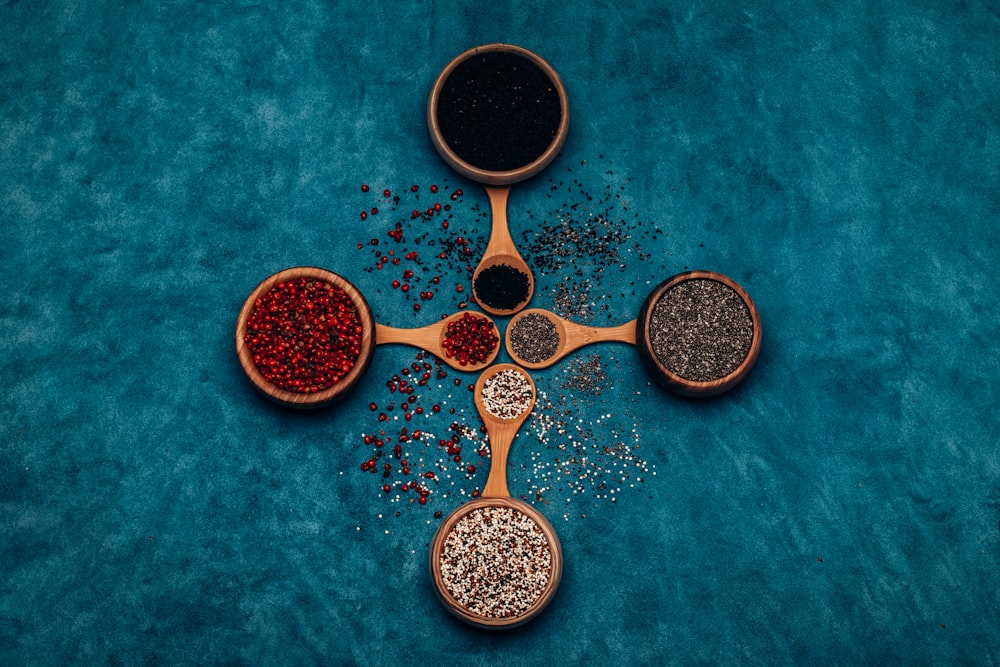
(501, 433)
(501, 250)
(572, 336)
(431, 338)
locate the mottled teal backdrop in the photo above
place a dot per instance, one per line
(841, 160)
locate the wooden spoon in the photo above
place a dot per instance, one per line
(501, 433)
(572, 336)
(500, 249)
(431, 338)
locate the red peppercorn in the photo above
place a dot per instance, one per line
(304, 335)
(364, 215)
(386, 193)
(364, 187)
(434, 188)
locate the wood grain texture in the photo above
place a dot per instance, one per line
(501, 250)
(295, 399)
(667, 377)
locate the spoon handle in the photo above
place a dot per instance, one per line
(581, 335)
(501, 242)
(425, 337)
(501, 436)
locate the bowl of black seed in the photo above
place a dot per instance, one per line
(698, 333)
(498, 113)
(496, 563)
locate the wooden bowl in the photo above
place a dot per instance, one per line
(464, 613)
(473, 172)
(666, 376)
(295, 399)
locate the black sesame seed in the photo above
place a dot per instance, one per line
(498, 111)
(501, 287)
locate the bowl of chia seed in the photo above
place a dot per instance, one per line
(698, 333)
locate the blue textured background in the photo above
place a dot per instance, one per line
(840, 160)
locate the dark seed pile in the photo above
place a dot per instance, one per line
(501, 287)
(496, 562)
(534, 338)
(701, 330)
(498, 111)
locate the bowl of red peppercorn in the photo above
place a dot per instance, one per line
(698, 333)
(305, 336)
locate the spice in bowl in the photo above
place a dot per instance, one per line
(501, 287)
(304, 335)
(470, 339)
(534, 338)
(496, 562)
(498, 111)
(701, 330)
(507, 394)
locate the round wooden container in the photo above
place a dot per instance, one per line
(464, 613)
(497, 177)
(666, 376)
(296, 399)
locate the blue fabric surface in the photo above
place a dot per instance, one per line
(840, 160)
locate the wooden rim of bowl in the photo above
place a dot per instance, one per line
(671, 380)
(295, 399)
(478, 620)
(483, 175)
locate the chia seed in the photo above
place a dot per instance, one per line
(701, 330)
(501, 287)
(496, 562)
(507, 394)
(534, 338)
(498, 111)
